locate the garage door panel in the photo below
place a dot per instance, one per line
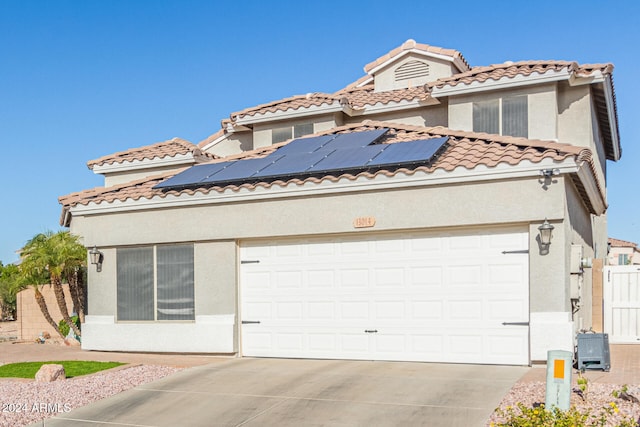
(465, 275)
(355, 277)
(465, 310)
(426, 277)
(423, 297)
(427, 309)
(355, 310)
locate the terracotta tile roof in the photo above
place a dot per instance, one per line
(464, 150)
(360, 97)
(523, 68)
(291, 103)
(411, 44)
(621, 243)
(159, 150)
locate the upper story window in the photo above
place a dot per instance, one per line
(288, 132)
(623, 259)
(503, 116)
(155, 283)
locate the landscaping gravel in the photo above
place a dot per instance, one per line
(598, 396)
(25, 402)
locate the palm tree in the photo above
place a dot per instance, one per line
(49, 258)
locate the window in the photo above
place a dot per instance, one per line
(504, 116)
(623, 259)
(288, 132)
(155, 283)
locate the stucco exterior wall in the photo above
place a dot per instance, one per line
(542, 108)
(433, 115)
(385, 78)
(519, 201)
(262, 132)
(124, 177)
(235, 143)
(577, 123)
(30, 322)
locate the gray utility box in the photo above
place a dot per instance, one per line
(593, 352)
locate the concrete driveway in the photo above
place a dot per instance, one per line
(286, 392)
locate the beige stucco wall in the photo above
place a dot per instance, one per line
(235, 143)
(542, 107)
(30, 322)
(262, 131)
(136, 174)
(217, 229)
(384, 79)
(432, 115)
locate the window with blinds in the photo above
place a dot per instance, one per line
(503, 116)
(155, 283)
(288, 132)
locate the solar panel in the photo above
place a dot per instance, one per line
(409, 152)
(348, 158)
(192, 175)
(240, 169)
(304, 156)
(293, 164)
(305, 145)
(354, 139)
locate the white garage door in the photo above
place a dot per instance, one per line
(453, 297)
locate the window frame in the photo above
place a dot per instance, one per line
(292, 131)
(155, 289)
(500, 125)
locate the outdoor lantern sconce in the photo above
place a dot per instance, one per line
(96, 258)
(546, 233)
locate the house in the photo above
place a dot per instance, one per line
(404, 217)
(622, 252)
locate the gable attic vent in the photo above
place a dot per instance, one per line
(411, 70)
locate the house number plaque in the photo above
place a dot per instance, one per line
(364, 222)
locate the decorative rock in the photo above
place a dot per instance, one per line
(71, 342)
(49, 373)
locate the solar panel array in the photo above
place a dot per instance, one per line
(355, 151)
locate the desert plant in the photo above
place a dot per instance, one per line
(523, 416)
(64, 327)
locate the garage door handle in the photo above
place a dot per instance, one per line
(250, 322)
(515, 323)
(370, 331)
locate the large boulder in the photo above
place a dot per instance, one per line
(50, 372)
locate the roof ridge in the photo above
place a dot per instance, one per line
(309, 95)
(412, 44)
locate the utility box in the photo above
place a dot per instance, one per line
(558, 390)
(593, 352)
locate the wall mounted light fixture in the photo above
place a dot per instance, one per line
(96, 257)
(546, 233)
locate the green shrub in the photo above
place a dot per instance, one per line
(523, 416)
(64, 327)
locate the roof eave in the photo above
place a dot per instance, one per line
(131, 165)
(502, 83)
(596, 200)
(288, 114)
(612, 119)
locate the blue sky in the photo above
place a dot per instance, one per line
(82, 79)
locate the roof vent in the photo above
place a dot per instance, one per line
(411, 70)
